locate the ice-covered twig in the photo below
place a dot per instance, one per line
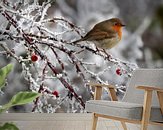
(30, 43)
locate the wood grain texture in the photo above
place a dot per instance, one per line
(160, 98)
(100, 85)
(94, 121)
(146, 109)
(98, 92)
(150, 88)
(113, 94)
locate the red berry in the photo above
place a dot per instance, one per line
(55, 93)
(34, 57)
(118, 71)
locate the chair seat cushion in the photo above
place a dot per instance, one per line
(125, 110)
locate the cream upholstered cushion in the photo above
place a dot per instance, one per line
(131, 106)
(122, 109)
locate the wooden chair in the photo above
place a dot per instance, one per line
(142, 103)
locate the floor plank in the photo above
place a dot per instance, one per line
(57, 121)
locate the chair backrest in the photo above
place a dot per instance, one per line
(147, 77)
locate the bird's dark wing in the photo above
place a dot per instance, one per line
(97, 35)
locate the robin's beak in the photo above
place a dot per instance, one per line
(123, 25)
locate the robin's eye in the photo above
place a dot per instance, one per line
(116, 24)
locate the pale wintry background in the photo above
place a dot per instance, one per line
(141, 46)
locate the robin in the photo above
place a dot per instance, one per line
(105, 34)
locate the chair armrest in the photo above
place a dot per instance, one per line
(150, 88)
(101, 85)
(98, 91)
(148, 99)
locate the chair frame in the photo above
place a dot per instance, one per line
(146, 106)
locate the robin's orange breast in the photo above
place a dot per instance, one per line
(118, 29)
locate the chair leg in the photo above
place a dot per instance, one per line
(124, 125)
(146, 110)
(94, 121)
(144, 126)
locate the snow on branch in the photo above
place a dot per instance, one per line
(57, 61)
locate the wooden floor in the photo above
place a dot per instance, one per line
(58, 121)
